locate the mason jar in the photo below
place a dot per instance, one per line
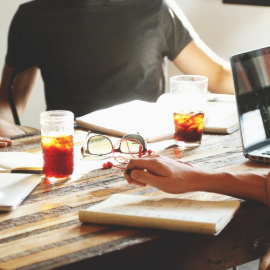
(57, 132)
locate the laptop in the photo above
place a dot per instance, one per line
(251, 75)
(14, 188)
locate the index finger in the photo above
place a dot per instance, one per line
(156, 165)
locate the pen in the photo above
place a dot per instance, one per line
(128, 172)
(25, 135)
(30, 170)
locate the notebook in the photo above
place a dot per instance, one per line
(251, 74)
(221, 114)
(154, 120)
(14, 188)
(14, 161)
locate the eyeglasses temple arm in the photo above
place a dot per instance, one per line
(140, 151)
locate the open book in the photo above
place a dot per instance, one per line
(19, 175)
(21, 162)
(154, 121)
(205, 217)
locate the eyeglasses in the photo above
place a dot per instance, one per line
(102, 145)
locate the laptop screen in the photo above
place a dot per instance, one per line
(251, 74)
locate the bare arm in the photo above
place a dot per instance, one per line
(174, 177)
(197, 58)
(23, 86)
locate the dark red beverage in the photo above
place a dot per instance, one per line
(188, 127)
(58, 156)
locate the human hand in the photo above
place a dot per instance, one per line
(5, 142)
(265, 264)
(164, 173)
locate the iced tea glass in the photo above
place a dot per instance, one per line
(57, 131)
(188, 97)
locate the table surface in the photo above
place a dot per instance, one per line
(44, 231)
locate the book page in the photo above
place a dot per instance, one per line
(11, 160)
(148, 119)
(191, 212)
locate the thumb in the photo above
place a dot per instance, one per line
(145, 177)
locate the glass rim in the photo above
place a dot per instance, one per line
(59, 117)
(188, 78)
(56, 113)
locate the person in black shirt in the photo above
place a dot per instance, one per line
(95, 54)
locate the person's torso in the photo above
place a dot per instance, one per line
(94, 54)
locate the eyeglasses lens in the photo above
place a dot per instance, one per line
(99, 145)
(133, 145)
(129, 146)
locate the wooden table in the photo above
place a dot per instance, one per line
(44, 231)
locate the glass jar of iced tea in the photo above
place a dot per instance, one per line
(57, 131)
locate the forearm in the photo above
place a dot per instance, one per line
(208, 64)
(174, 177)
(222, 82)
(244, 185)
(22, 88)
(217, 70)
(5, 110)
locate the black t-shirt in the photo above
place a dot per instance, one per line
(97, 53)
